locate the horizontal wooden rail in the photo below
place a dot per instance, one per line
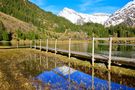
(124, 38)
(117, 38)
(101, 38)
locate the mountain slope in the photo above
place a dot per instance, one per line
(80, 18)
(11, 24)
(30, 13)
(125, 15)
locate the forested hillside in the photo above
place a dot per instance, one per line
(49, 25)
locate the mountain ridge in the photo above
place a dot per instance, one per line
(81, 18)
(125, 15)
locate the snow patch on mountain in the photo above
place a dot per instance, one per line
(80, 18)
(124, 15)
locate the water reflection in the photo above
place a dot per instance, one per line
(92, 78)
(109, 80)
(55, 74)
(103, 87)
(121, 50)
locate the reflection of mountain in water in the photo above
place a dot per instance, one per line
(65, 78)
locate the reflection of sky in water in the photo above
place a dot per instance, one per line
(58, 78)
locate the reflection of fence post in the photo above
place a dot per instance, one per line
(55, 46)
(46, 45)
(110, 53)
(69, 52)
(40, 60)
(93, 39)
(47, 62)
(55, 64)
(92, 78)
(69, 72)
(40, 45)
(35, 57)
(109, 80)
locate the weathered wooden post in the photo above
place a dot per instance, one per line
(93, 39)
(35, 43)
(110, 53)
(69, 48)
(17, 44)
(46, 45)
(56, 46)
(30, 44)
(40, 44)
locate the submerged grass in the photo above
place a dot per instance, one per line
(18, 66)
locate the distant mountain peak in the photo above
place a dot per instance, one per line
(81, 18)
(123, 15)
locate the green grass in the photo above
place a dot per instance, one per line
(18, 66)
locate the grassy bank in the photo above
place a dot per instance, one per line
(17, 66)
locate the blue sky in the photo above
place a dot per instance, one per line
(83, 6)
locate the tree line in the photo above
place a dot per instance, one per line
(46, 21)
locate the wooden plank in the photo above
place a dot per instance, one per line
(101, 38)
(124, 38)
(98, 57)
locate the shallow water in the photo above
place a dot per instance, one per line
(120, 50)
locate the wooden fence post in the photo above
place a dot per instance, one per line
(56, 46)
(69, 48)
(17, 44)
(93, 39)
(40, 44)
(35, 43)
(110, 53)
(46, 45)
(30, 44)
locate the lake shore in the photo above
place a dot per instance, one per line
(20, 64)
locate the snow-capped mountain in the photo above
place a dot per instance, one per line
(80, 18)
(125, 15)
